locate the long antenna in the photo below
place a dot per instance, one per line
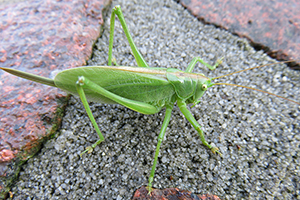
(252, 68)
(257, 90)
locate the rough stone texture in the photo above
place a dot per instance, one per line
(39, 37)
(257, 134)
(273, 26)
(170, 193)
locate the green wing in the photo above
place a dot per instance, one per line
(148, 85)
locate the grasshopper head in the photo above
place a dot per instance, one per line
(189, 87)
(202, 85)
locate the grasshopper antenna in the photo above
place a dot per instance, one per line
(255, 88)
(252, 68)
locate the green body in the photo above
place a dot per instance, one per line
(143, 89)
(154, 86)
(128, 82)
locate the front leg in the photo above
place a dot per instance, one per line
(182, 106)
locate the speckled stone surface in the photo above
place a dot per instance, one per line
(257, 134)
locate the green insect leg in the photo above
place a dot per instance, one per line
(182, 106)
(137, 55)
(161, 135)
(198, 59)
(89, 112)
(134, 105)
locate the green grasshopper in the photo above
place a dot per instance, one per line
(143, 89)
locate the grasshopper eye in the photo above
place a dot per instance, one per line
(204, 87)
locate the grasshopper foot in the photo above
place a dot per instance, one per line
(219, 61)
(149, 188)
(90, 149)
(114, 61)
(216, 150)
(87, 149)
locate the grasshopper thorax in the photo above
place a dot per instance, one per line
(189, 87)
